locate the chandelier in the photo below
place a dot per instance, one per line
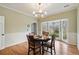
(40, 12)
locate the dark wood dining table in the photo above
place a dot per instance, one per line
(42, 40)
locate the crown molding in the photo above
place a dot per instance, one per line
(26, 14)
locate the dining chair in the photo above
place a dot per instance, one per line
(33, 45)
(45, 33)
(50, 45)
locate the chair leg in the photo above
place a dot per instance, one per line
(34, 51)
(51, 50)
(28, 51)
(54, 50)
(47, 48)
(40, 50)
(44, 50)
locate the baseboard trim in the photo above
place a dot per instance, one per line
(13, 39)
(12, 45)
(2, 48)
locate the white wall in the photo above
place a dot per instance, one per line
(72, 38)
(15, 38)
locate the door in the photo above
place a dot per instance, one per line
(54, 28)
(2, 37)
(64, 29)
(44, 26)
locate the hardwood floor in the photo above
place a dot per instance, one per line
(21, 49)
(65, 49)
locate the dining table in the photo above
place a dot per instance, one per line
(42, 40)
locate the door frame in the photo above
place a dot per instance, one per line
(3, 37)
(66, 29)
(36, 27)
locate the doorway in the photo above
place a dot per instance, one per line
(34, 28)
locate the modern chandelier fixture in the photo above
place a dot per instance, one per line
(40, 12)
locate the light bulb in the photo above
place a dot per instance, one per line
(45, 13)
(36, 15)
(42, 15)
(33, 12)
(40, 11)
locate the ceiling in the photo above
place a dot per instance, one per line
(51, 8)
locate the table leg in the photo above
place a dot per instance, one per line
(42, 48)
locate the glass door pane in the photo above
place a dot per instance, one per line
(44, 26)
(56, 27)
(64, 27)
(50, 28)
(64, 30)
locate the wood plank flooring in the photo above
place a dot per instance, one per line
(22, 49)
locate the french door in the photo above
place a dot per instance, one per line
(64, 30)
(57, 27)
